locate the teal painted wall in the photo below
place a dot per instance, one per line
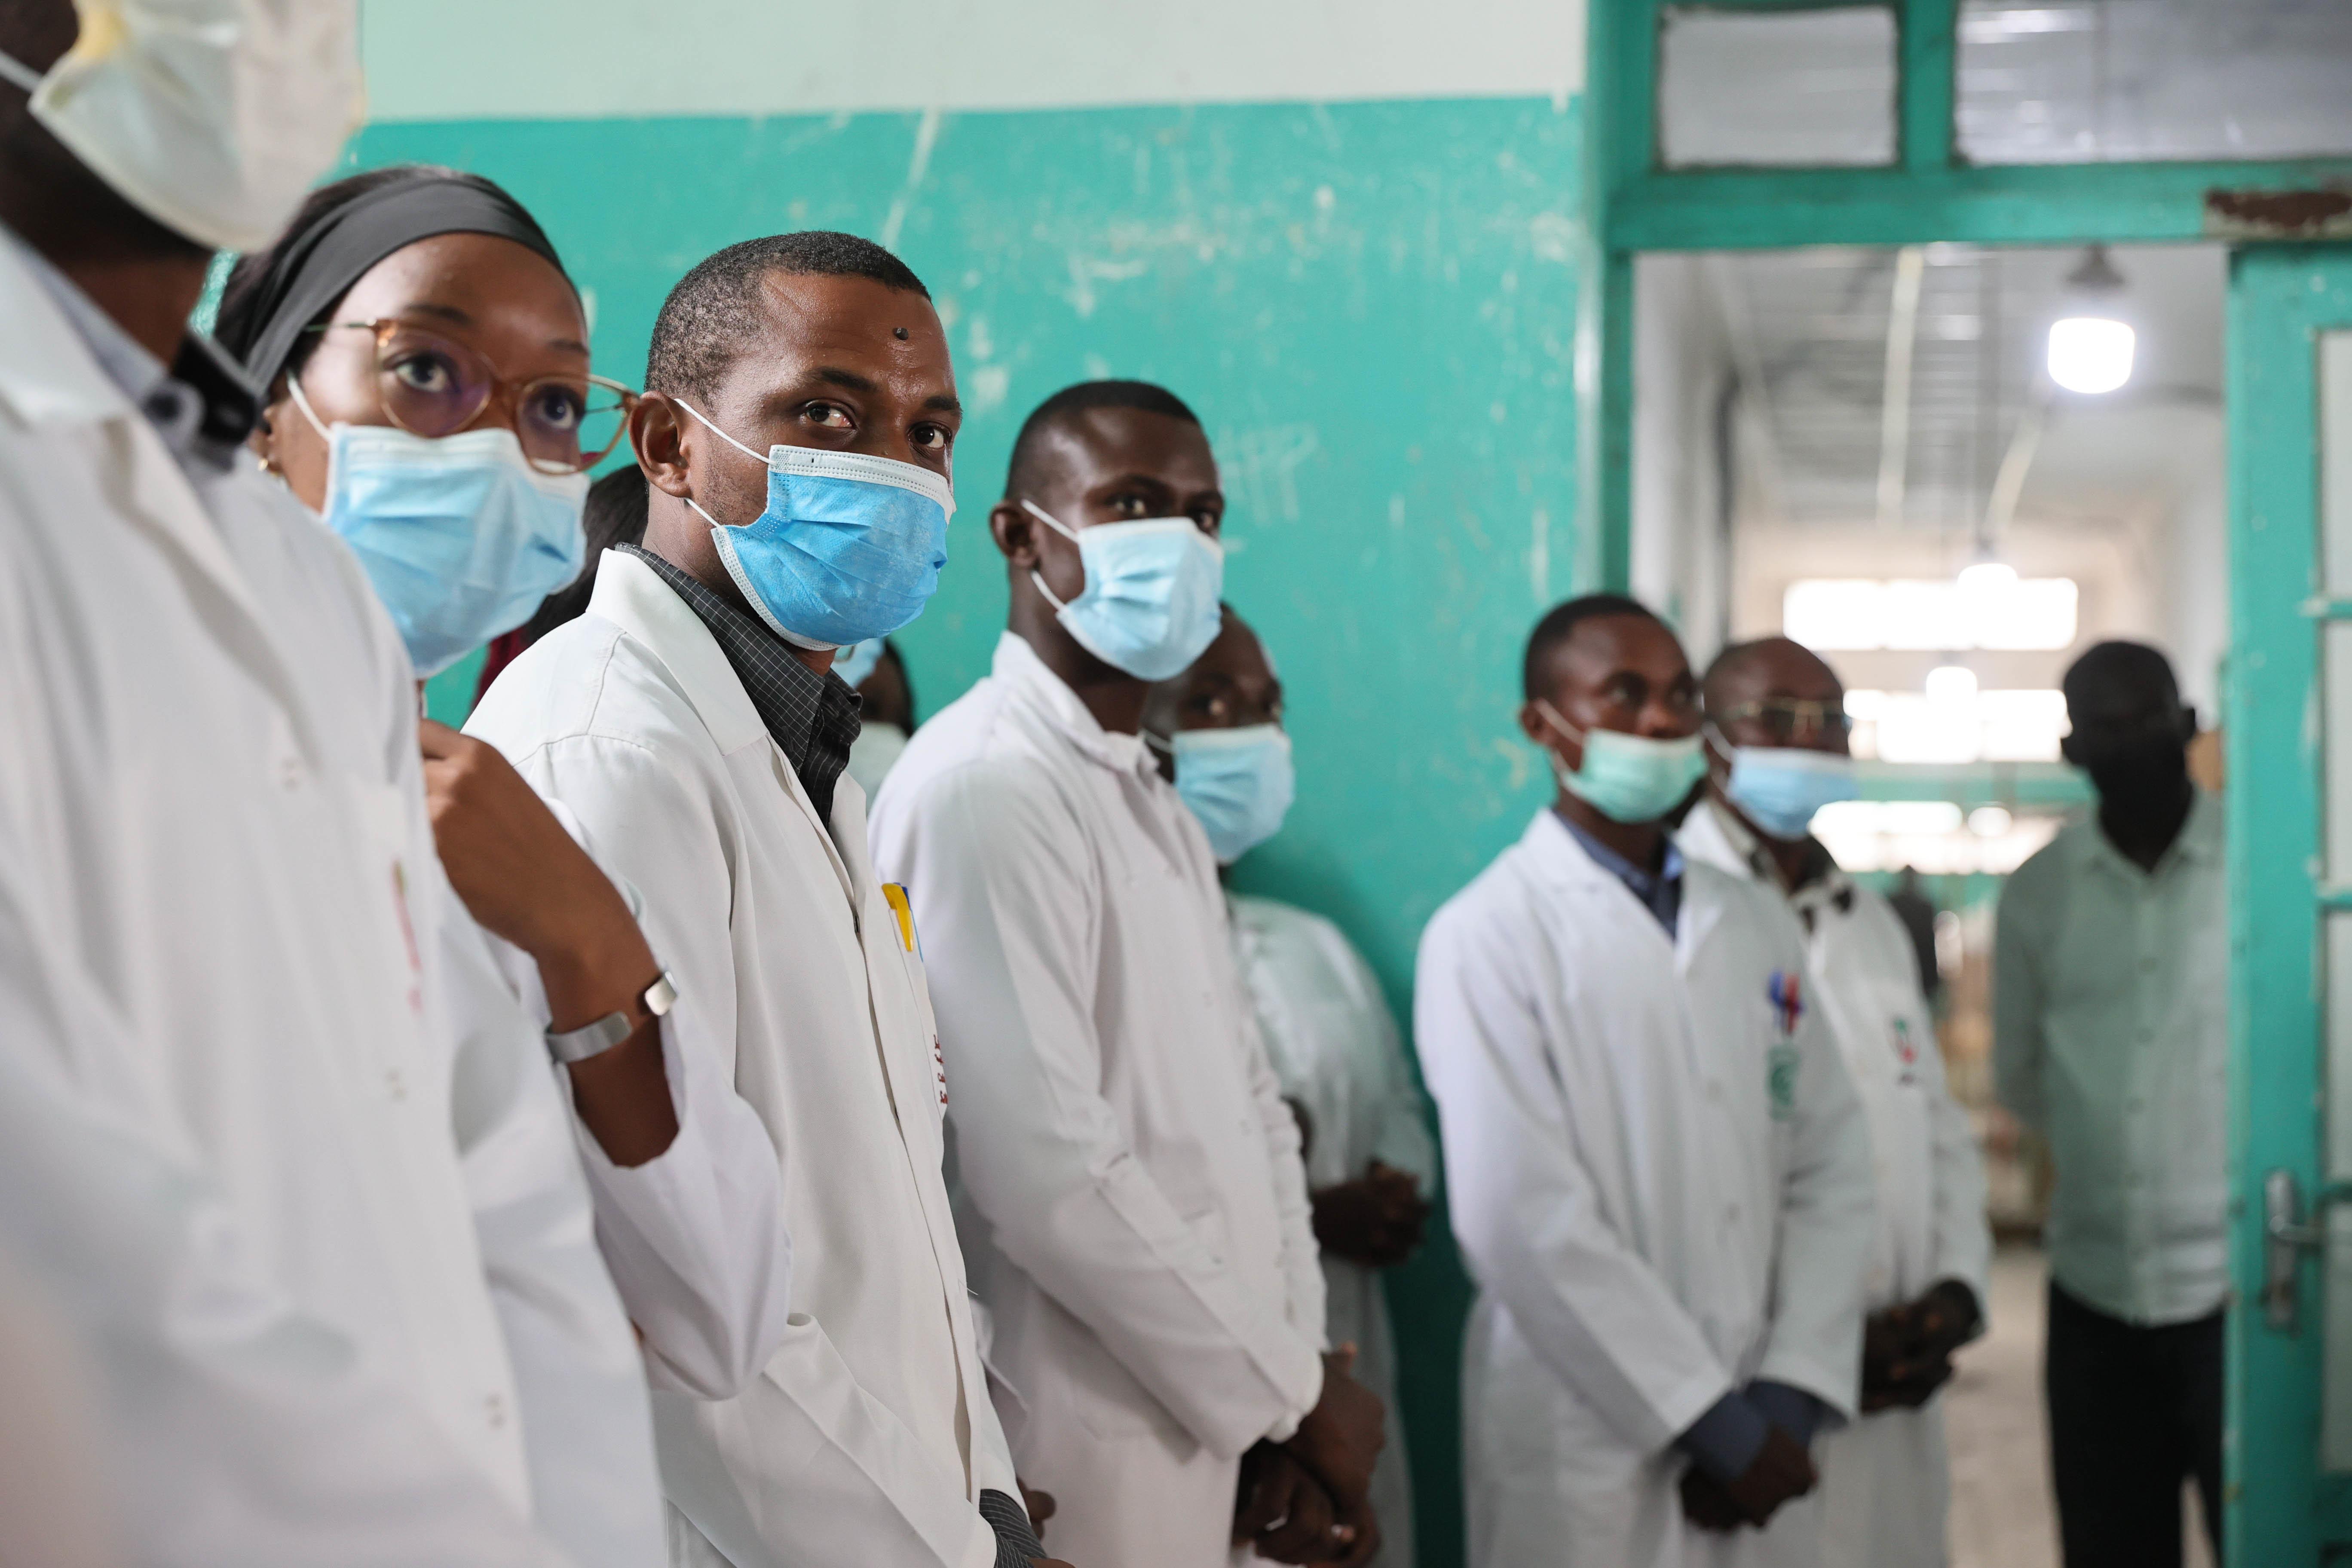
(1373, 307)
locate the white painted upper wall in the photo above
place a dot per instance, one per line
(463, 60)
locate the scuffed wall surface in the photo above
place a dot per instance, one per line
(1372, 306)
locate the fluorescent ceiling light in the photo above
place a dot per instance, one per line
(2091, 344)
(1952, 683)
(1989, 607)
(2089, 354)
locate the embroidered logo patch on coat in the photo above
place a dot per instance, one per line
(1786, 995)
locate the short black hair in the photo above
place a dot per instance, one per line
(715, 309)
(1020, 473)
(1740, 653)
(239, 322)
(1560, 622)
(2116, 665)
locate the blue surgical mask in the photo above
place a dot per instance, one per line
(1150, 605)
(858, 661)
(849, 548)
(1628, 778)
(460, 536)
(1779, 788)
(1239, 782)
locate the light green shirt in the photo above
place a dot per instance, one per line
(2111, 1038)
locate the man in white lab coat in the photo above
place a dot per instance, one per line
(1658, 1171)
(689, 722)
(229, 1073)
(1328, 1030)
(1777, 735)
(1131, 1192)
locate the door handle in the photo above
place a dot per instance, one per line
(2287, 1233)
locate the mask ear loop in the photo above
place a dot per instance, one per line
(1050, 521)
(722, 435)
(1715, 741)
(294, 390)
(18, 72)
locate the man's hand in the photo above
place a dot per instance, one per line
(522, 877)
(1341, 1436)
(1707, 1505)
(1367, 1535)
(1376, 1219)
(1780, 1470)
(1284, 1513)
(1907, 1348)
(1039, 1506)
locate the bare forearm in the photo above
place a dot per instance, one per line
(622, 1095)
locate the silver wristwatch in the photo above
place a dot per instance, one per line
(594, 1039)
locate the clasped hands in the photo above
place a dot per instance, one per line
(1906, 1357)
(1307, 1499)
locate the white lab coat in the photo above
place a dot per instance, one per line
(694, 1237)
(1335, 1048)
(1131, 1196)
(869, 1436)
(1885, 1480)
(227, 1146)
(1661, 1187)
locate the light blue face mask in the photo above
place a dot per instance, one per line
(1628, 778)
(849, 548)
(460, 536)
(1239, 782)
(1779, 788)
(1150, 605)
(858, 661)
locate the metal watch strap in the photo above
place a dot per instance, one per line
(595, 1039)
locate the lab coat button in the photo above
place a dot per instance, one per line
(394, 1085)
(494, 1408)
(290, 773)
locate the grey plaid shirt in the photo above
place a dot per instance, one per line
(813, 717)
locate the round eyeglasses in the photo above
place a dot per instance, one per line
(1790, 722)
(432, 386)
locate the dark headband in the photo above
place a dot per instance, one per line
(312, 267)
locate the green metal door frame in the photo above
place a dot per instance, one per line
(1929, 194)
(2281, 299)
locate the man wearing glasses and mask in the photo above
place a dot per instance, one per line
(1776, 752)
(2111, 1039)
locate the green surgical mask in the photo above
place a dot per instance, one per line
(1628, 778)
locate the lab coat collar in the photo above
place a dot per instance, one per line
(48, 375)
(1018, 666)
(1713, 835)
(1560, 863)
(631, 595)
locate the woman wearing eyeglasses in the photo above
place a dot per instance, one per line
(425, 366)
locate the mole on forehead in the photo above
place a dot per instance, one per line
(899, 333)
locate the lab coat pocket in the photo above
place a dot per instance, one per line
(1086, 1383)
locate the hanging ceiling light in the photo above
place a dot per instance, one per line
(2090, 343)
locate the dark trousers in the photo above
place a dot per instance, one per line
(2133, 1412)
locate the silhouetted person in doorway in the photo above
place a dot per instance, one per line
(2110, 1038)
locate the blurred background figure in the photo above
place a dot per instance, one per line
(1371, 1162)
(2111, 1039)
(1778, 734)
(887, 718)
